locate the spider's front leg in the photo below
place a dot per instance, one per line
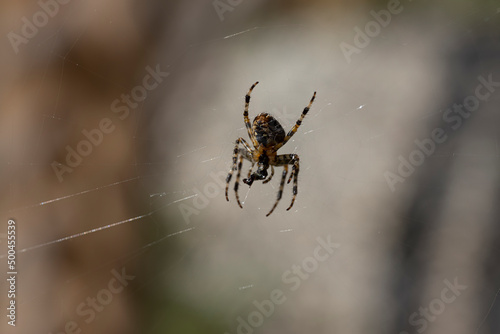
(249, 179)
(245, 152)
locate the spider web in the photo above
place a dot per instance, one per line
(181, 178)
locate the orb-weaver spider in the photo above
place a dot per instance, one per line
(267, 136)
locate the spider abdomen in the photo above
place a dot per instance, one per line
(268, 131)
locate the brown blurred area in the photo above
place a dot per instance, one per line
(137, 237)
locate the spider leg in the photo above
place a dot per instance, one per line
(270, 176)
(298, 123)
(295, 172)
(290, 159)
(280, 191)
(246, 119)
(246, 152)
(291, 175)
(237, 181)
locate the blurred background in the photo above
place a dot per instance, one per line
(118, 121)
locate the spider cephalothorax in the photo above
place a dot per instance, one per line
(267, 136)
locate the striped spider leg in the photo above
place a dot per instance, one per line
(246, 153)
(285, 160)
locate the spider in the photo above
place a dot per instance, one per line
(267, 136)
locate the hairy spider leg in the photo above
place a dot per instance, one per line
(298, 123)
(246, 119)
(290, 159)
(237, 181)
(245, 152)
(291, 175)
(270, 176)
(280, 191)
